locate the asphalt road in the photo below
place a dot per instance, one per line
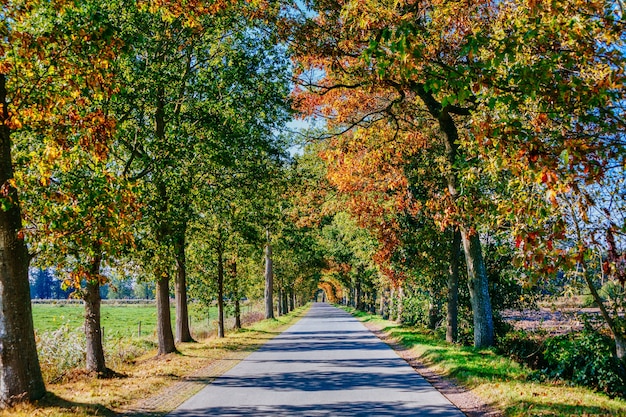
(327, 364)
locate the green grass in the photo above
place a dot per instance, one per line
(500, 381)
(119, 320)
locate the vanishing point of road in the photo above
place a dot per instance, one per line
(327, 364)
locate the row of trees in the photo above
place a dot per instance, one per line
(141, 139)
(448, 126)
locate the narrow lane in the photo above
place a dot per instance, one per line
(327, 364)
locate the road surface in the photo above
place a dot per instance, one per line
(327, 364)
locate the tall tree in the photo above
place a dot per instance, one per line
(50, 82)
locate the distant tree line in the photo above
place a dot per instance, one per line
(46, 285)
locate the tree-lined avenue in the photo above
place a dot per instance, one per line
(326, 364)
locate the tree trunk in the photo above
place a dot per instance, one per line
(164, 319)
(292, 299)
(164, 322)
(220, 292)
(400, 304)
(183, 333)
(269, 280)
(372, 306)
(20, 374)
(616, 329)
(479, 290)
(280, 301)
(237, 295)
(433, 314)
(452, 327)
(285, 301)
(384, 303)
(93, 329)
(237, 313)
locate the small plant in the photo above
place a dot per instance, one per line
(60, 351)
(120, 350)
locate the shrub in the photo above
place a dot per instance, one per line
(523, 347)
(60, 351)
(119, 350)
(415, 309)
(586, 359)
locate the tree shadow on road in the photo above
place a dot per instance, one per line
(351, 409)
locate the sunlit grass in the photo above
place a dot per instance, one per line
(125, 320)
(500, 381)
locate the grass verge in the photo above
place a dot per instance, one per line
(81, 395)
(499, 381)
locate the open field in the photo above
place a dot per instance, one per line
(120, 320)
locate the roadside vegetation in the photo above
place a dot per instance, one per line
(502, 382)
(141, 374)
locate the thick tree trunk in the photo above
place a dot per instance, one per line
(269, 280)
(372, 307)
(452, 327)
(164, 319)
(93, 329)
(384, 302)
(479, 290)
(183, 333)
(400, 304)
(20, 375)
(220, 293)
(433, 314)
(292, 299)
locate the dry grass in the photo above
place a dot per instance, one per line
(81, 395)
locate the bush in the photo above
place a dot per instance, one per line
(523, 347)
(119, 350)
(586, 359)
(60, 351)
(415, 309)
